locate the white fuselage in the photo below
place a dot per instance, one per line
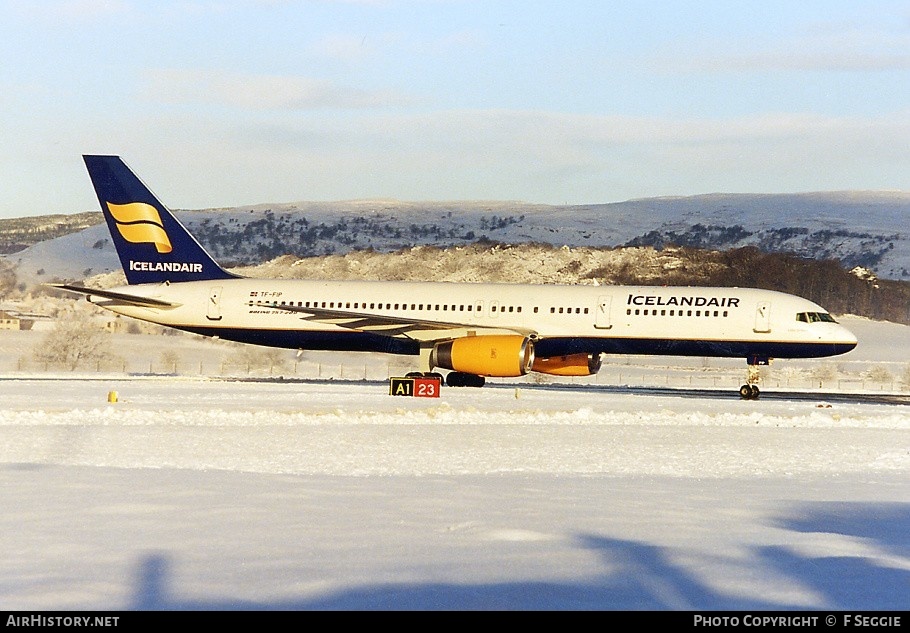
(561, 319)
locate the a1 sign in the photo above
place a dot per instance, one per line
(415, 387)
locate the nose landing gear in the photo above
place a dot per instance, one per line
(750, 391)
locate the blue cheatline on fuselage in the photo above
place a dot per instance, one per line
(543, 348)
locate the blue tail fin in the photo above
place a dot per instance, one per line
(152, 244)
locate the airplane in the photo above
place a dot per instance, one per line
(471, 330)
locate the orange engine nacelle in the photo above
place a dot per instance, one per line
(571, 365)
(504, 356)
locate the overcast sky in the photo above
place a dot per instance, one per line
(219, 103)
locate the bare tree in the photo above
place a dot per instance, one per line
(879, 373)
(169, 360)
(255, 358)
(824, 373)
(75, 340)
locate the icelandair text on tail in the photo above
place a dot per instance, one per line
(62, 620)
(167, 267)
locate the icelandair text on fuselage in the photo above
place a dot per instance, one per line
(696, 302)
(848, 619)
(167, 267)
(62, 620)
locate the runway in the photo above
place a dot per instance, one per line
(714, 394)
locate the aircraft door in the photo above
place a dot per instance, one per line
(213, 312)
(763, 317)
(602, 313)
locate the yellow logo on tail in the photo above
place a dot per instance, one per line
(140, 223)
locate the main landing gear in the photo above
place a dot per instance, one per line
(454, 379)
(461, 379)
(425, 374)
(750, 391)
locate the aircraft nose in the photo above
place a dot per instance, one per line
(845, 340)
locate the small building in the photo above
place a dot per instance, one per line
(9, 322)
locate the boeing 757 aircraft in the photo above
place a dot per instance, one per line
(471, 330)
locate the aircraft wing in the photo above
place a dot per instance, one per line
(387, 324)
(136, 300)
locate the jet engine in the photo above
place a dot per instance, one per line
(572, 365)
(504, 356)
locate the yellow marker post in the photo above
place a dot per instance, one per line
(112, 396)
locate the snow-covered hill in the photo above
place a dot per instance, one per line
(868, 229)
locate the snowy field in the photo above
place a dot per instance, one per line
(200, 493)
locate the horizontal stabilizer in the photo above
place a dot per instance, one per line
(136, 300)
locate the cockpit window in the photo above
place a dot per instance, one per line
(815, 317)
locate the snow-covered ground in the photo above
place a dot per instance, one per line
(192, 492)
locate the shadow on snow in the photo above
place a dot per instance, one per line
(642, 577)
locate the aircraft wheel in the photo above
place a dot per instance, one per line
(461, 379)
(755, 392)
(745, 392)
